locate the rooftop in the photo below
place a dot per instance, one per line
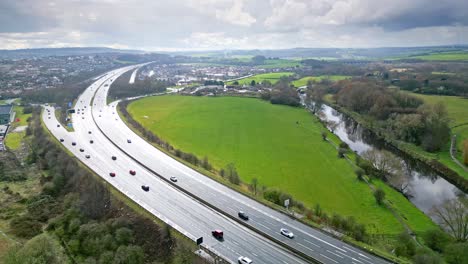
(5, 109)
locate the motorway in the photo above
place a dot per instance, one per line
(182, 212)
(151, 162)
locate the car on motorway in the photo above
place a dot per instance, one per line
(73, 143)
(87, 156)
(218, 234)
(132, 172)
(173, 178)
(286, 233)
(81, 150)
(91, 141)
(82, 117)
(89, 132)
(114, 157)
(243, 215)
(145, 188)
(61, 140)
(129, 141)
(112, 174)
(244, 260)
(58, 125)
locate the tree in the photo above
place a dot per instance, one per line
(453, 216)
(379, 195)
(384, 161)
(457, 253)
(258, 59)
(436, 126)
(436, 239)
(405, 246)
(359, 173)
(254, 185)
(465, 151)
(253, 83)
(232, 175)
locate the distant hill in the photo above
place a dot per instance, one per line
(332, 53)
(73, 51)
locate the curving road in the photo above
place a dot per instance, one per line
(182, 212)
(154, 168)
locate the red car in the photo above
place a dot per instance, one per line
(112, 174)
(218, 234)
(132, 172)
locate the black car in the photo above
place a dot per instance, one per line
(91, 141)
(145, 188)
(114, 157)
(89, 132)
(243, 215)
(88, 156)
(81, 150)
(73, 143)
(58, 125)
(61, 140)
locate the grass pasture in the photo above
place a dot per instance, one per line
(273, 77)
(265, 142)
(334, 78)
(443, 56)
(457, 108)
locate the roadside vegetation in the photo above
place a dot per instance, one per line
(121, 88)
(56, 211)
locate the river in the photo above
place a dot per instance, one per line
(426, 188)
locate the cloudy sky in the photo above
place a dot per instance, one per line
(231, 24)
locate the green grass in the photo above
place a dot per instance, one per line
(264, 142)
(13, 139)
(19, 115)
(444, 56)
(273, 77)
(303, 81)
(457, 108)
(279, 63)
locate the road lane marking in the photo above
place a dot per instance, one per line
(335, 254)
(356, 260)
(350, 250)
(305, 246)
(265, 226)
(366, 261)
(329, 258)
(364, 256)
(311, 243)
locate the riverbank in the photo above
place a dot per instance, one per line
(406, 149)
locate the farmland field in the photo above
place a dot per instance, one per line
(280, 146)
(444, 56)
(457, 112)
(303, 81)
(273, 77)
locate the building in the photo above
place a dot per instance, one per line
(6, 114)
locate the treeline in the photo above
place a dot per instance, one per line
(400, 115)
(121, 88)
(282, 93)
(78, 210)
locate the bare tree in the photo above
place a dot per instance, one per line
(384, 161)
(453, 216)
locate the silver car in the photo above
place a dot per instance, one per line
(287, 233)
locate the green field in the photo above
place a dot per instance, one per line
(13, 139)
(279, 63)
(444, 56)
(303, 81)
(23, 118)
(273, 77)
(264, 142)
(457, 108)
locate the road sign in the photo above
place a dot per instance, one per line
(286, 203)
(199, 241)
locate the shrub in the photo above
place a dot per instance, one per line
(405, 246)
(379, 195)
(359, 173)
(436, 239)
(25, 226)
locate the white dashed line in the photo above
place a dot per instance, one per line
(329, 258)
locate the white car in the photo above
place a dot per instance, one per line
(174, 178)
(287, 233)
(244, 260)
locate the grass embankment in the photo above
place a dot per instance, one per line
(457, 108)
(303, 81)
(265, 142)
(273, 77)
